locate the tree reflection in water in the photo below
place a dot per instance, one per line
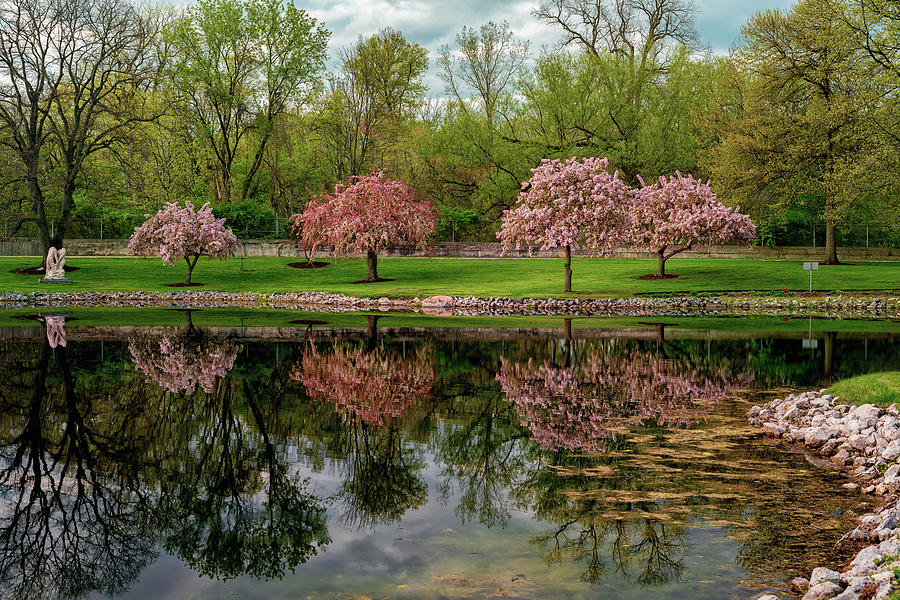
(590, 408)
(584, 407)
(74, 519)
(602, 443)
(94, 478)
(372, 386)
(588, 525)
(183, 361)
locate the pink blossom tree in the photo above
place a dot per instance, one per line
(181, 232)
(374, 385)
(678, 213)
(566, 205)
(368, 213)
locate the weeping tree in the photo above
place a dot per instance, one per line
(369, 214)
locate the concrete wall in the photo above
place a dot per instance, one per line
(32, 247)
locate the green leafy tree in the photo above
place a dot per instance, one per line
(238, 66)
(74, 77)
(801, 129)
(373, 100)
(489, 63)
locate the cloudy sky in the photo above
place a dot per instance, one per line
(432, 23)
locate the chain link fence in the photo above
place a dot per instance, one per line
(123, 227)
(276, 226)
(855, 235)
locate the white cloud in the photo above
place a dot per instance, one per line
(432, 23)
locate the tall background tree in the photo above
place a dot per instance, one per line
(373, 100)
(75, 76)
(803, 133)
(239, 65)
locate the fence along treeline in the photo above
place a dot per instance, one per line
(108, 111)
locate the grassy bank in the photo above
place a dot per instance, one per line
(539, 278)
(882, 389)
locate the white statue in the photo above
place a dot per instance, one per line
(56, 264)
(56, 330)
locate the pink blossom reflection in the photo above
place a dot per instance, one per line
(181, 363)
(375, 385)
(586, 406)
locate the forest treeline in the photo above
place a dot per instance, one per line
(109, 110)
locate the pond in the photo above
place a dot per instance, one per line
(372, 459)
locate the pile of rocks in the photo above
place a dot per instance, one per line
(866, 441)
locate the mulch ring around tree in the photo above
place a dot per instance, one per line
(38, 270)
(183, 284)
(309, 265)
(645, 277)
(377, 280)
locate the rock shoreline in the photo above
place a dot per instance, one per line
(864, 440)
(827, 306)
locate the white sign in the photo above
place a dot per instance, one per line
(810, 266)
(811, 343)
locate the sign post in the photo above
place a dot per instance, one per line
(810, 266)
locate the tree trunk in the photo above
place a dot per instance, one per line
(831, 257)
(40, 214)
(568, 283)
(68, 204)
(372, 261)
(661, 268)
(190, 268)
(372, 332)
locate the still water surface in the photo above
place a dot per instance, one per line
(371, 463)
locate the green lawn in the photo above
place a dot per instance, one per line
(530, 277)
(882, 389)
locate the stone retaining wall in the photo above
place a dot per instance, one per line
(825, 306)
(75, 247)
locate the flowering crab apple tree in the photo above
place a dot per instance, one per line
(567, 204)
(678, 213)
(181, 232)
(367, 213)
(585, 406)
(374, 385)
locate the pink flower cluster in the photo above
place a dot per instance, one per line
(374, 385)
(179, 232)
(571, 203)
(180, 363)
(578, 202)
(368, 213)
(582, 408)
(683, 211)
